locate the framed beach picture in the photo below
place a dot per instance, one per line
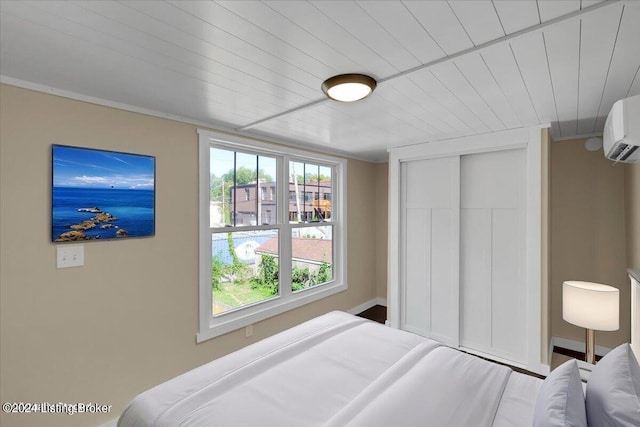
(98, 194)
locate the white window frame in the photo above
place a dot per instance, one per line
(212, 326)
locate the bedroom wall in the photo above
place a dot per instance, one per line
(587, 232)
(127, 320)
(632, 213)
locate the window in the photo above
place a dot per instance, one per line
(259, 255)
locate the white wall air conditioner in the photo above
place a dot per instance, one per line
(621, 139)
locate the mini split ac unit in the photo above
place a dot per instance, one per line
(621, 139)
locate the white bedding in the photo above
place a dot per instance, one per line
(339, 370)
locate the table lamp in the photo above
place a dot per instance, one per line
(592, 306)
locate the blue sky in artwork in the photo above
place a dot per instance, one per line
(87, 168)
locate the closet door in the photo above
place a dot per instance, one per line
(429, 248)
(493, 286)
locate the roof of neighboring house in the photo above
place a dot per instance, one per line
(316, 250)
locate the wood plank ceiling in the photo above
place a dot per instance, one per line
(445, 68)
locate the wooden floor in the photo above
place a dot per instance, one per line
(377, 313)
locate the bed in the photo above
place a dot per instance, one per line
(342, 370)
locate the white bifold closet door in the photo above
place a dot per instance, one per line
(463, 251)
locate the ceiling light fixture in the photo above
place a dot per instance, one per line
(348, 87)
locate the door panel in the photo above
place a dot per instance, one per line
(492, 262)
(509, 286)
(442, 258)
(475, 278)
(429, 207)
(417, 267)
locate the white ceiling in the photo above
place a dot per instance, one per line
(445, 68)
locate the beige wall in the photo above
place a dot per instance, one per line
(587, 232)
(632, 200)
(382, 227)
(127, 320)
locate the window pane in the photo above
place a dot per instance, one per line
(324, 192)
(268, 185)
(245, 191)
(310, 189)
(296, 191)
(221, 166)
(244, 268)
(312, 257)
(309, 192)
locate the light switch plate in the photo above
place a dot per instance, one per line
(70, 256)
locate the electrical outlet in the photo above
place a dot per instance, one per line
(70, 256)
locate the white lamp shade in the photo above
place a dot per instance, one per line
(591, 305)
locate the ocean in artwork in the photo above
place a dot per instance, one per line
(100, 194)
(129, 210)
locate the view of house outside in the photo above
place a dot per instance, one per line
(245, 261)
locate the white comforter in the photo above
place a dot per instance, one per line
(340, 370)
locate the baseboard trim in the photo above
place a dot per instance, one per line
(381, 301)
(577, 346)
(367, 305)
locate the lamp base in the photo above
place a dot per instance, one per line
(590, 350)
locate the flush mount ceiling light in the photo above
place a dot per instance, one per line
(348, 87)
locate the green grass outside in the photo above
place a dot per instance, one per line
(237, 294)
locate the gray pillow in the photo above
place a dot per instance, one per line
(560, 400)
(613, 390)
